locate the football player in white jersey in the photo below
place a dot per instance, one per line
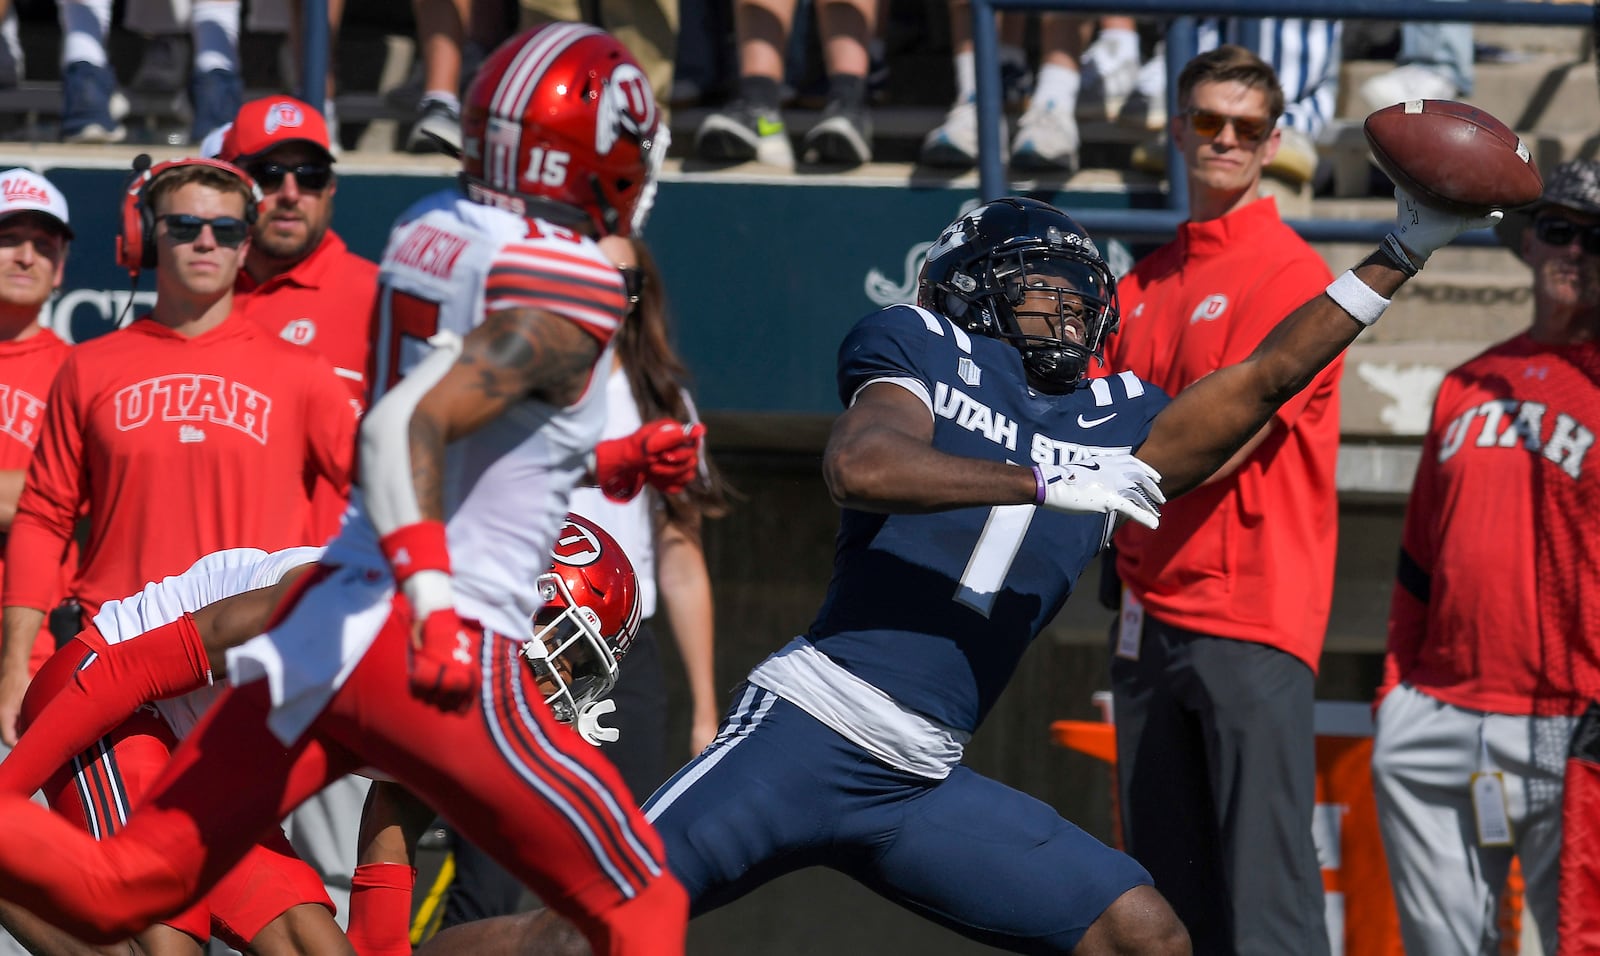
(401, 650)
(95, 682)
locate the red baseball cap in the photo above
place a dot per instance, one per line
(272, 121)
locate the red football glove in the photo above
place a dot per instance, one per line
(443, 671)
(664, 453)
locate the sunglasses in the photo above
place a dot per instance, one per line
(310, 176)
(1209, 124)
(1561, 232)
(227, 230)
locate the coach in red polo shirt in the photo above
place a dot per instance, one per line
(300, 281)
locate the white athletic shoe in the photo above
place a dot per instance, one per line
(1107, 82)
(1047, 138)
(954, 143)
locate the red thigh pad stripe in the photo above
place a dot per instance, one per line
(593, 810)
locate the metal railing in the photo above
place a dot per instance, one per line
(314, 51)
(1181, 46)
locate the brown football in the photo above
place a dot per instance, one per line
(1453, 156)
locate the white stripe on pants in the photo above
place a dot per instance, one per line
(1447, 888)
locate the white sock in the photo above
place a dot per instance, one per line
(966, 77)
(214, 25)
(441, 96)
(85, 23)
(1056, 84)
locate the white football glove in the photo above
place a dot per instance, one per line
(1104, 484)
(1423, 230)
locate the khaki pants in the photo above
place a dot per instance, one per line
(1447, 888)
(648, 28)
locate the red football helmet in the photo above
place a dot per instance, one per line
(590, 618)
(561, 123)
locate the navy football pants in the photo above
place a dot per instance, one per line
(777, 791)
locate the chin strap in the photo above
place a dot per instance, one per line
(588, 723)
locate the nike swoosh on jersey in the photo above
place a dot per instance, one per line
(1091, 422)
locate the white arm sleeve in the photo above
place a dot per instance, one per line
(386, 486)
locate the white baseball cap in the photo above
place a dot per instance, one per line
(23, 190)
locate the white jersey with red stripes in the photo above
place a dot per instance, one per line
(450, 262)
(216, 576)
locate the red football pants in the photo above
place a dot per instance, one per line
(527, 789)
(1579, 929)
(98, 788)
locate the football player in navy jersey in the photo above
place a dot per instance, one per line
(979, 472)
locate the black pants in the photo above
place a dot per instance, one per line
(1216, 766)
(481, 887)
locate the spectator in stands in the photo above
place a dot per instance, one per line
(1434, 63)
(92, 108)
(164, 48)
(703, 65)
(442, 46)
(648, 28)
(1220, 633)
(1047, 135)
(12, 62)
(1491, 653)
(751, 127)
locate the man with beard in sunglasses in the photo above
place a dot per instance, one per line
(190, 431)
(299, 280)
(1492, 655)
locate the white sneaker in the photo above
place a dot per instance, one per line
(954, 143)
(1107, 82)
(1047, 138)
(1146, 107)
(1413, 81)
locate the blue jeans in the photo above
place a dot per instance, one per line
(1443, 47)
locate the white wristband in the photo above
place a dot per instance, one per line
(1357, 298)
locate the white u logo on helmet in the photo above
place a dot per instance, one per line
(626, 104)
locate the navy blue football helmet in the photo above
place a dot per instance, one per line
(979, 270)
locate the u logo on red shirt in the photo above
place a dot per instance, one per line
(1210, 309)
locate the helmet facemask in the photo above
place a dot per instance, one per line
(1055, 307)
(574, 664)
